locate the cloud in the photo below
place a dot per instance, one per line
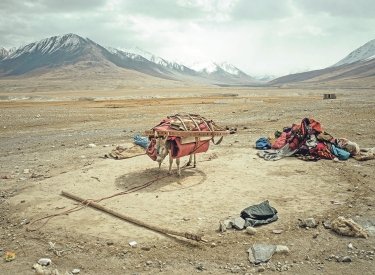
(257, 36)
(261, 10)
(342, 8)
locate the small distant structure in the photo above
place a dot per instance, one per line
(329, 96)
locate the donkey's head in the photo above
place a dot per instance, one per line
(162, 147)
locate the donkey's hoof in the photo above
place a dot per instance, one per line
(188, 164)
(178, 175)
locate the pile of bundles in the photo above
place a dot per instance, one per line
(308, 142)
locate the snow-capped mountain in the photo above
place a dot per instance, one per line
(158, 60)
(363, 53)
(265, 78)
(3, 53)
(123, 54)
(70, 49)
(68, 43)
(212, 67)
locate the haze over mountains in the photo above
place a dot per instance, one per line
(69, 55)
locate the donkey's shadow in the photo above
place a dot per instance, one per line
(158, 180)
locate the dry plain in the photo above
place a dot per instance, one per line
(48, 135)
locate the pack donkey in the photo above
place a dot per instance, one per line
(163, 148)
(179, 136)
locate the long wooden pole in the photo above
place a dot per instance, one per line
(186, 235)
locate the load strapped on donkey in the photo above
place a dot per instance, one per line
(182, 135)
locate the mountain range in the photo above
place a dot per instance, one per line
(69, 49)
(356, 70)
(69, 55)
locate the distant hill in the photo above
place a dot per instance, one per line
(356, 70)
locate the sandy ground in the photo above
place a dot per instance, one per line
(50, 139)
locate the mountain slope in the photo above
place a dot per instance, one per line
(355, 70)
(160, 61)
(59, 51)
(362, 54)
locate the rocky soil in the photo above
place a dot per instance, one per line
(45, 149)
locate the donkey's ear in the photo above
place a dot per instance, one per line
(155, 134)
(166, 135)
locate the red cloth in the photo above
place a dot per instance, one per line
(151, 150)
(177, 149)
(322, 151)
(300, 133)
(180, 150)
(280, 142)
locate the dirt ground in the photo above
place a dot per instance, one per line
(45, 149)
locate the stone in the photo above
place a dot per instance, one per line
(222, 227)
(76, 271)
(238, 223)
(251, 230)
(327, 224)
(282, 249)
(261, 253)
(350, 246)
(276, 231)
(44, 261)
(346, 259)
(91, 145)
(261, 269)
(228, 224)
(310, 222)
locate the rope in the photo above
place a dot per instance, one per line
(86, 202)
(94, 203)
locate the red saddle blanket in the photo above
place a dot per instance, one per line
(180, 150)
(178, 145)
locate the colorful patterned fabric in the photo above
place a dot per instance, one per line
(322, 151)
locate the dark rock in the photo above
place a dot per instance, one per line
(346, 259)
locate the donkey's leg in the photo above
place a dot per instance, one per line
(178, 167)
(170, 164)
(190, 159)
(195, 161)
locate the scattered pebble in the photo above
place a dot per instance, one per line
(44, 261)
(346, 259)
(251, 230)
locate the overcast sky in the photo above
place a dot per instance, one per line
(257, 36)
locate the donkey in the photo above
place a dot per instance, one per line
(163, 148)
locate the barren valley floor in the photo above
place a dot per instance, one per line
(44, 147)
